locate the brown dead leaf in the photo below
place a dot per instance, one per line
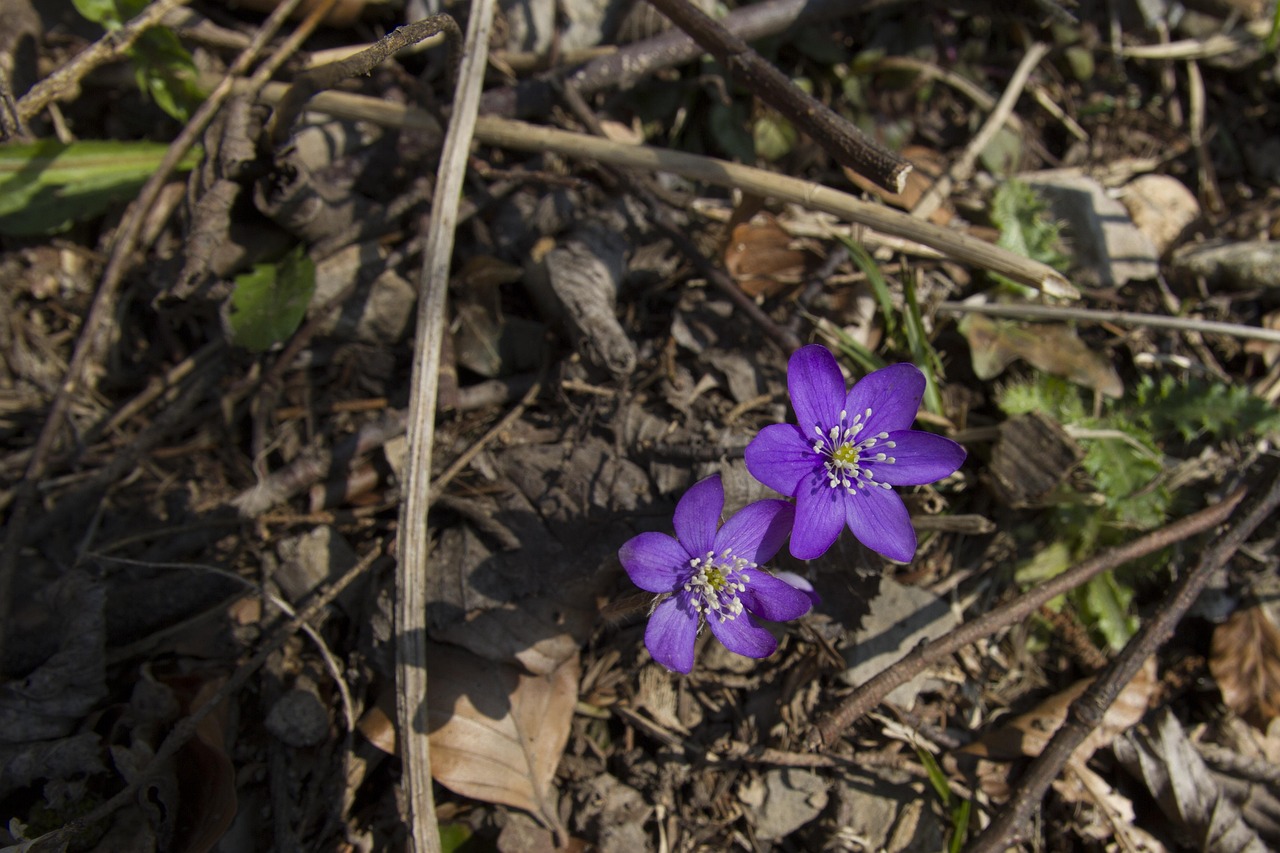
(1245, 661)
(497, 733)
(1029, 733)
(994, 344)
(539, 633)
(760, 257)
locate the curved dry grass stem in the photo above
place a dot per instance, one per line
(413, 547)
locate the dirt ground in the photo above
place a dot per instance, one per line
(325, 408)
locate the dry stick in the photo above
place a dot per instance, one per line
(951, 243)
(963, 167)
(95, 324)
(64, 83)
(1087, 711)
(528, 137)
(185, 729)
(1123, 318)
(870, 694)
(836, 134)
(308, 83)
(413, 545)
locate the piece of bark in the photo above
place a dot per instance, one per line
(1031, 458)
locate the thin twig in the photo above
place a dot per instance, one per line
(325, 77)
(836, 134)
(1087, 711)
(963, 167)
(870, 694)
(64, 84)
(528, 137)
(1122, 318)
(413, 544)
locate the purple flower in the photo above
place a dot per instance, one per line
(713, 575)
(840, 460)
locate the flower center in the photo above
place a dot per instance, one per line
(849, 463)
(716, 581)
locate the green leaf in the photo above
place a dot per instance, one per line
(959, 826)
(774, 137)
(102, 12)
(1199, 408)
(937, 778)
(1025, 227)
(1104, 604)
(454, 837)
(269, 301)
(862, 258)
(46, 185)
(165, 71)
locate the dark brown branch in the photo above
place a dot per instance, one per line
(836, 134)
(870, 694)
(307, 84)
(1087, 711)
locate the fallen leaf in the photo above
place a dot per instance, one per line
(540, 633)
(1029, 733)
(760, 257)
(1245, 661)
(994, 344)
(1185, 790)
(496, 732)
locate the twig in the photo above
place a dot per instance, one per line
(413, 545)
(527, 137)
(185, 729)
(1123, 318)
(1087, 711)
(64, 83)
(308, 83)
(963, 167)
(870, 694)
(94, 330)
(837, 135)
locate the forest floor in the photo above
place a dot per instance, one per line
(317, 397)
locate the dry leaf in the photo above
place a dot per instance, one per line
(994, 344)
(1111, 816)
(1029, 733)
(539, 633)
(1187, 794)
(760, 257)
(1246, 664)
(497, 733)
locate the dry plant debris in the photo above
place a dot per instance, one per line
(339, 367)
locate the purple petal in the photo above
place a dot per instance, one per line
(819, 518)
(757, 531)
(744, 636)
(919, 458)
(698, 515)
(780, 457)
(672, 631)
(794, 580)
(892, 394)
(655, 562)
(879, 519)
(774, 599)
(817, 388)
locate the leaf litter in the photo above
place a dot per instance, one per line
(652, 376)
